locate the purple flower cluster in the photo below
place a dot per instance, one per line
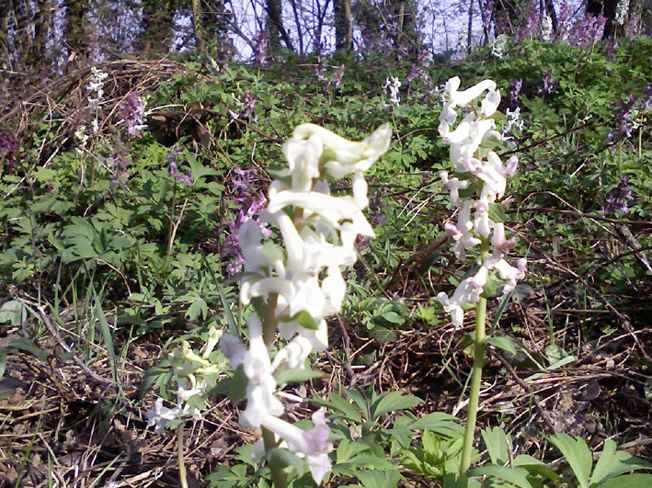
(334, 80)
(587, 31)
(174, 169)
(531, 25)
(419, 71)
(251, 204)
(629, 113)
(249, 107)
(563, 21)
(548, 83)
(486, 12)
(119, 164)
(261, 50)
(133, 113)
(618, 197)
(8, 147)
(514, 89)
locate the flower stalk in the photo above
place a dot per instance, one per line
(478, 182)
(294, 287)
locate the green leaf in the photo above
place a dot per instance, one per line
(534, 465)
(497, 212)
(13, 312)
(299, 375)
(26, 345)
(150, 378)
(613, 463)
(303, 318)
(107, 337)
(284, 458)
(392, 402)
(382, 335)
(3, 362)
(347, 449)
(515, 476)
(440, 423)
(393, 318)
(503, 342)
(554, 353)
(379, 479)
(636, 480)
(238, 385)
(198, 307)
(339, 404)
(498, 444)
(577, 454)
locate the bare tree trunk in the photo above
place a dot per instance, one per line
(297, 21)
(76, 34)
(197, 25)
(275, 27)
(343, 26)
(469, 34)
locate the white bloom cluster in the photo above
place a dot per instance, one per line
(96, 87)
(546, 28)
(513, 121)
(498, 46)
(303, 283)
(190, 371)
(621, 12)
(478, 172)
(392, 85)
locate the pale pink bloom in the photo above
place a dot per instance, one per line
(510, 273)
(261, 402)
(472, 165)
(348, 156)
(454, 185)
(467, 292)
(159, 415)
(481, 223)
(303, 161)
(501, 246)
(309, 443)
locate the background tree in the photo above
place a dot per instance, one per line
(274, 25)
(343, 26)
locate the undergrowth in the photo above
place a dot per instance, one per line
(114, 249)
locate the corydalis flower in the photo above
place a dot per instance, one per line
(546, 28)
(621, 12)
(133, 112)
(392, 86)
(173, 168)
(482, 176)
(619, 196)
(548, 82)
(498, 46)
(302, 284)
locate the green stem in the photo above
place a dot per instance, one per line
(269, 332)
(269, 320)
(278, 475)
(474, 396)
(183, 480)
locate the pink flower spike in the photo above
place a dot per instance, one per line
(510, 166)
(482, 224)
(472, 165)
